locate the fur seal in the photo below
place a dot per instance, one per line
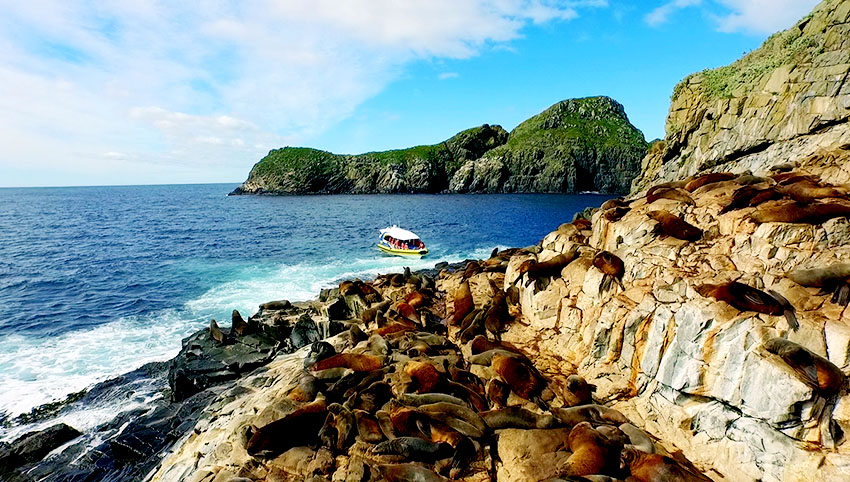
(517, 417)
(472, 269)
(472, 325)
(807, 190)
(414, 448)
(238, 324)
(409, 473)
(548, 268)
(486, 357)
(611, 266)
(370, 314)
(674, 226)
(578, 391)
(615, 214)
(319, 350)
(747, 298)
(276, 305)
(597, 414)
(371, 398)
(498, 312)
(834, 278)
(748, 196)
(480, 344)
(460, 412)
(358, 363)
(710, 178)
(582, 224)
(638, 438)
(498, 392)
(463, 303)
(465, 453)
(818, 372)
(368, 428)
(417, 400)
(519, 375)
(614, 203)
(216, 333)
(795, 212)
(276, 437)
(307, 389)
(416, 299)
(589, 452)
(424, 376)
(671, 193)
(408, 312)
(646, 467)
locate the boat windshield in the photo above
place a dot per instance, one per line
(404, 244)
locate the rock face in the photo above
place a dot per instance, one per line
(576, 145)
(788, 99)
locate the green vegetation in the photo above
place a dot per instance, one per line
(792, 46)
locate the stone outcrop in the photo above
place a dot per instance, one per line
(575, 145)
(785, 100)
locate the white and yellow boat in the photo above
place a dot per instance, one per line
(401, 242)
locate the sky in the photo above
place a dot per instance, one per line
(162, 92)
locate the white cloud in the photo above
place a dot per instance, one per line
(763, 16)
(448, 75)
(661, 14)
(204, 88)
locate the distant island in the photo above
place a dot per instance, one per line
(576, 145)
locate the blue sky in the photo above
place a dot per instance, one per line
(141, 91)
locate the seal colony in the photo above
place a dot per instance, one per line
(438, 376)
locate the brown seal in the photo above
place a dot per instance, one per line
(307, 389)
(463, 303)
(216, 333)
(358, 363)
(552, 267)
(815, 370)
(795, 212)
(578, 391)
(498, 312)
(615, 214)
(347, 288)
(611, 266)
(750, 196)
(582, 224)
(414, 448)
(519, 375)
(368, 428)
(806, 190)
(710, 178)
(671, 193)
(276, 437)
(589, 413)
(416, 299)
(480, 344)
(589, 452)
(498, 392)
(408, 312)
(747, 298)
(646, 467)
(674, 226)
(370, 314)
(833, 279)
(238, 324)
(424, 376)
(517, 417)
(614, 203)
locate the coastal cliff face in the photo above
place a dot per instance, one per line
(576, 145)
(787, 99)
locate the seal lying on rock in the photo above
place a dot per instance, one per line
(414, 448)
(277, 436)
(646, 467)
(671, 193)
(747, 298)
(589, 413)
(552, 267)
(795, 212)
(517, 417)
(675, 227)
(589, 452)
(462, 302)
(815, 370)
(409, 473)
(833, 278)
(710, 178)
(612, 267)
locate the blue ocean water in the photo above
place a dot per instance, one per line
(97, 281)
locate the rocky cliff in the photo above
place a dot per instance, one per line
(788, 99)
(575, 145)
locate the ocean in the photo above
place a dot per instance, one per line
(97, 281)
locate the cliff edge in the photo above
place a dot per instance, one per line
(787, 99)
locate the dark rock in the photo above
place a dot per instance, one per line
(338, 310)
(33, 446)
(304, 333)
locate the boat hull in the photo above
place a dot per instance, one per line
(403, 252)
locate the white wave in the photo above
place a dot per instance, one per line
(37, 369)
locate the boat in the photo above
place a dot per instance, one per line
(401, 242)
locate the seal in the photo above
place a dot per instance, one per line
(674, 226)
(589, 452)
(614, 203)
(276, 437)
(747, 298)
(612, 267)
(813, 369)
(498, 312)
(238, 324)
(416, 400)
(319, 350)
(710, 178)
(807, 190)
(371, 398)
(472, 269)
(472, 325)
(216, 333)
(416, 299)
(370, 314)
(582, 224)
(463, 303)
(615, 214)
(368, 428)
(349, 288)
(465, 453)
(441, 410)
(498, 392)
(517, 417)
(646, 467)
(795, 212)
(425, 377)
(306, 390)
(486, 358)
(480, 344)
(749, 196)
(414, 448)
(671, 193)
(409, 473)
(834, 279)
(519, 375)
(638, 438)
(578, 391)
(597, 414)
(409, 312)
(358, 363)
(552, 267)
